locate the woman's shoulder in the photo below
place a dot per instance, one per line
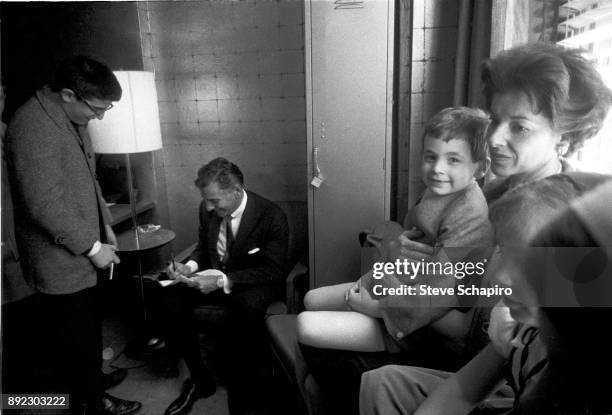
(566, 185)
(494, 189)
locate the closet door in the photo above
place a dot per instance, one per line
(349, 81)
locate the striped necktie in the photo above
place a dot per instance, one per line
(229, 237)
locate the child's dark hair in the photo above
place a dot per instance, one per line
(461, 123)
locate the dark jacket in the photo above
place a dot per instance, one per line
(259, 253)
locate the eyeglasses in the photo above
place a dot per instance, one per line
(98, 111)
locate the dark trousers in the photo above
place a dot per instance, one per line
(338, 372)
(242, 340)
(18, 346)
(68, 339)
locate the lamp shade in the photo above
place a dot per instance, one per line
(132, 125)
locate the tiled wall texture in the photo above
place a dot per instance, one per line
(431, 67)
(230, 82)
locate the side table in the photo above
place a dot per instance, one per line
(138, 244)
(129, 242)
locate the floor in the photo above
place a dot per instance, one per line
(155, 382)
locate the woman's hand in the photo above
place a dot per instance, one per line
(359, 299)
(413, 250)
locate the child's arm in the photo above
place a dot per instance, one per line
(460, 393)
(359, 299)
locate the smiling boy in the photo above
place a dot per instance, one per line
(455, 155)
(452, 212)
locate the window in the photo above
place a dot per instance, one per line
(597, 152)
(557, 22)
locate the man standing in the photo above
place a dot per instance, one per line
(241, 252)
(62, 231)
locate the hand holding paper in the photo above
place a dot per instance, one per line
(207, 280)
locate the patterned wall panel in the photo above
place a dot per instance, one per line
(428, 34)
(230, 78)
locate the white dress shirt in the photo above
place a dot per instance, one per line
(236, 216)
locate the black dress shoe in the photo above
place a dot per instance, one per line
(113, 378)
(190, 393)
(111, 405)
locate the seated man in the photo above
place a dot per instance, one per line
(241, 253)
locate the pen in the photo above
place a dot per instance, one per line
(112, 268)
(173, 264)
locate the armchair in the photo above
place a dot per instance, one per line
(295, 389)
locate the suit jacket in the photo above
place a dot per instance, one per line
(59, 209)
(259, 253)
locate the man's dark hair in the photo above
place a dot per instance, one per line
(221, 171)
(86, 77)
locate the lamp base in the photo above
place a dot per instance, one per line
(144, 347)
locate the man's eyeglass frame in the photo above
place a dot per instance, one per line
(97, 111)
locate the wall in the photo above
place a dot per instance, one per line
(230, 78)
(36, 36)
(430, 65)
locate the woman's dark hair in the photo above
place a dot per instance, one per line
(559, 82)
(221, 171)
(86, 77)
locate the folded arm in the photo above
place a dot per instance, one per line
(460, 393)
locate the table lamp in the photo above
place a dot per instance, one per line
(132, 126)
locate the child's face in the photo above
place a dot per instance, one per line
(447, 166)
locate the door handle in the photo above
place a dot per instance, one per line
(316, 171)
(317, 177)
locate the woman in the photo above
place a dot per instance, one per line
(545, 101)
